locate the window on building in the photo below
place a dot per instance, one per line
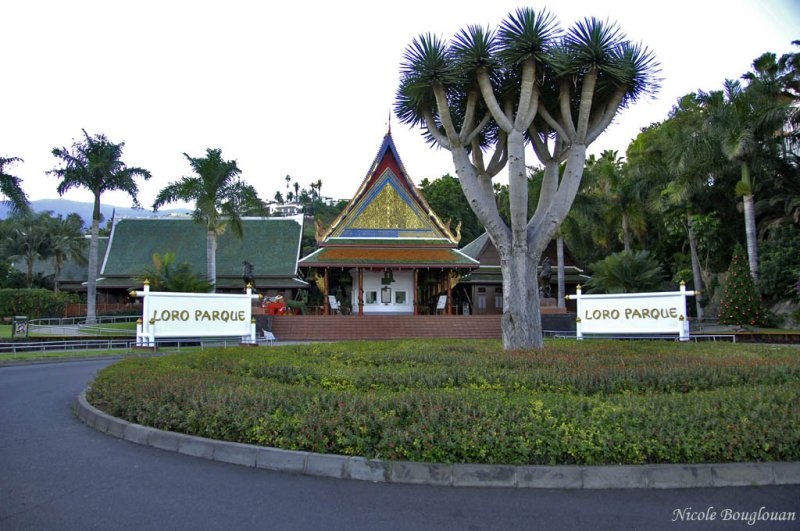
(498, 298)
(370, 297)
(399, 297)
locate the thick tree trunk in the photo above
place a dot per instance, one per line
(521, 317)
(521, 321)
(696, 275)
(752, 235)
(560, 265)
(211, 258)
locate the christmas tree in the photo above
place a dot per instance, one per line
(740, 303)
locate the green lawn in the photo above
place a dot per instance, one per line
(5, 331)
(105, 329)
(13, 357)
(588, 402)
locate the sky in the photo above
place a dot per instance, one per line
(305, 88)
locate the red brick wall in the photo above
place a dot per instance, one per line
(337, 327)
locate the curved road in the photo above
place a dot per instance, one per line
(56, 473)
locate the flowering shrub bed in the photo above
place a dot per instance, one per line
(589, 402)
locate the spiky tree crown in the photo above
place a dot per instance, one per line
(740, 303)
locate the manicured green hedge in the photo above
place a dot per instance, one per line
(585, 402)
(34, 303)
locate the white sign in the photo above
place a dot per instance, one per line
(633, 313)
(167, 314)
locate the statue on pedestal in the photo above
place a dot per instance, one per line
(544, 279)
(247, 275)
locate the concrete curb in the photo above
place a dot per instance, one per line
(452, 475)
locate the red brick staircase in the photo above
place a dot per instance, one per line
(340, 327)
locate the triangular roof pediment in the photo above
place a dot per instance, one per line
(387, 206)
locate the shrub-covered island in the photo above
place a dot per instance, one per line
(589, 402)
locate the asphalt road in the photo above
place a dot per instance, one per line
(56, 473)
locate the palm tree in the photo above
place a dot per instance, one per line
(220, 199)
(10, 186)
(165, 275)
(66, 243)
(95, 163)
(675, 159)
(748, 125)
(626, 272)
(28, 240)
(780, 79)
(624, 196)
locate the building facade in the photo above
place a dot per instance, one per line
(387, 252)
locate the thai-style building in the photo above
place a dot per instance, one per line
(271, 245)
(387, 252)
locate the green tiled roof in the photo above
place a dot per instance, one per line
(474, 248)
(272, 245)
(260, 283)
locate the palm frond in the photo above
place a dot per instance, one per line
(474, 47)
(637, 69)
(527, 34)
(591, 43)
(427, 60)
(11, 187)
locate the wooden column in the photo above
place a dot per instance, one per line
(360, 291)
(326, 307)
(449, 293)
(414, 274)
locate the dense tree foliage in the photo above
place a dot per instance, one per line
(28, 239)
(626, 272)
(444, 196)
(690, 175)
(780, 263)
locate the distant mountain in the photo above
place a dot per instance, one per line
(84, 210)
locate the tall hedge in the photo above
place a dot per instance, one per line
(34, 303)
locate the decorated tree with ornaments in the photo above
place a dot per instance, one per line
(740, 303)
